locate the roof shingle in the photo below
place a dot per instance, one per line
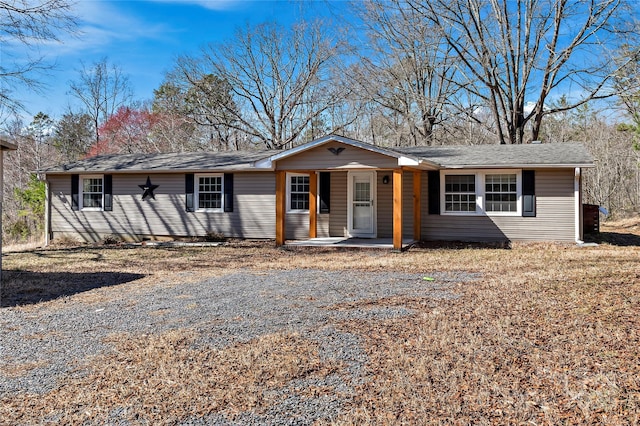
(463, 156)
(556, 154)
(191, 161)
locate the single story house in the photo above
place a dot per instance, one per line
(330, 187)
(4, 146)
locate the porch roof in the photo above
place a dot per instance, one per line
(404, 159)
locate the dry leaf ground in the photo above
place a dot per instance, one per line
(548, 335)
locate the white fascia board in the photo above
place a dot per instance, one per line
(265, 163)
(418, 163)
(407, 161)
(307, 146)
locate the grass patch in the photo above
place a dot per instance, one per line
(549, 335)
(164, 379)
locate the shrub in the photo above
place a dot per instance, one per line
(110, 239)
(215, 237)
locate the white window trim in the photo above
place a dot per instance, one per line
(443, 206)
(196, 192)
(480, 191)
(518, 174)
(289, 209)
(81, 206)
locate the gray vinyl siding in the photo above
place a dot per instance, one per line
(254, 211)
(323, 225)
(385, 205)
(296, 226)
(165, 216)
(338, 215)
(297, 223)
(554, 221)
(407, 204)
(320, 158)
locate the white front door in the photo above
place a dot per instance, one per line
(361, 213)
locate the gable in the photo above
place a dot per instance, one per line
(336, 155)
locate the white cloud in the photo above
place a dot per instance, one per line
(207, 4)
(529, 106)
(100, 25)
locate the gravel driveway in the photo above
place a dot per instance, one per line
(224, 310)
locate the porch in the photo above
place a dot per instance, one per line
(374, 243)
(368, 207)
(371, 196)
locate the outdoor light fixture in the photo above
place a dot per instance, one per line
(385, 179)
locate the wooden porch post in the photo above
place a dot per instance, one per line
(281, 208)
(313, 208)
(397, 209)
(417, 205)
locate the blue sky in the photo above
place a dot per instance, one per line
(143, 38)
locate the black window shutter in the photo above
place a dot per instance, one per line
(189, 189)
(75, 190)
(528, 193)
(434, 192)
(228, 192)
(325, 192)
(108, 193)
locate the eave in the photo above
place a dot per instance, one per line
(7, 146)
(517, 166)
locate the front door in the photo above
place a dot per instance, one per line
(361, 213)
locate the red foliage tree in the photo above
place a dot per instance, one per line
(127, 131)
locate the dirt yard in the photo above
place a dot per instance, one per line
(245, 333)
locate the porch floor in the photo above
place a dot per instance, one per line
(381, 243)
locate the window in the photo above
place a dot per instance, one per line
(210, 192)
(501, 193)
(298, 192)
(491, 192)
(460, 193)
(92, 192)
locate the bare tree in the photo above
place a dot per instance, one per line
(627, 82)
(615, 180)
(522, 52)
(23, 192)
(40, 132)
(175, 128)
(209, 102)
(73, 135)
(101, 89)
(24, 25)
(280, 79)
(407, 68)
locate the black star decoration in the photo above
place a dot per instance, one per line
(148, 189)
